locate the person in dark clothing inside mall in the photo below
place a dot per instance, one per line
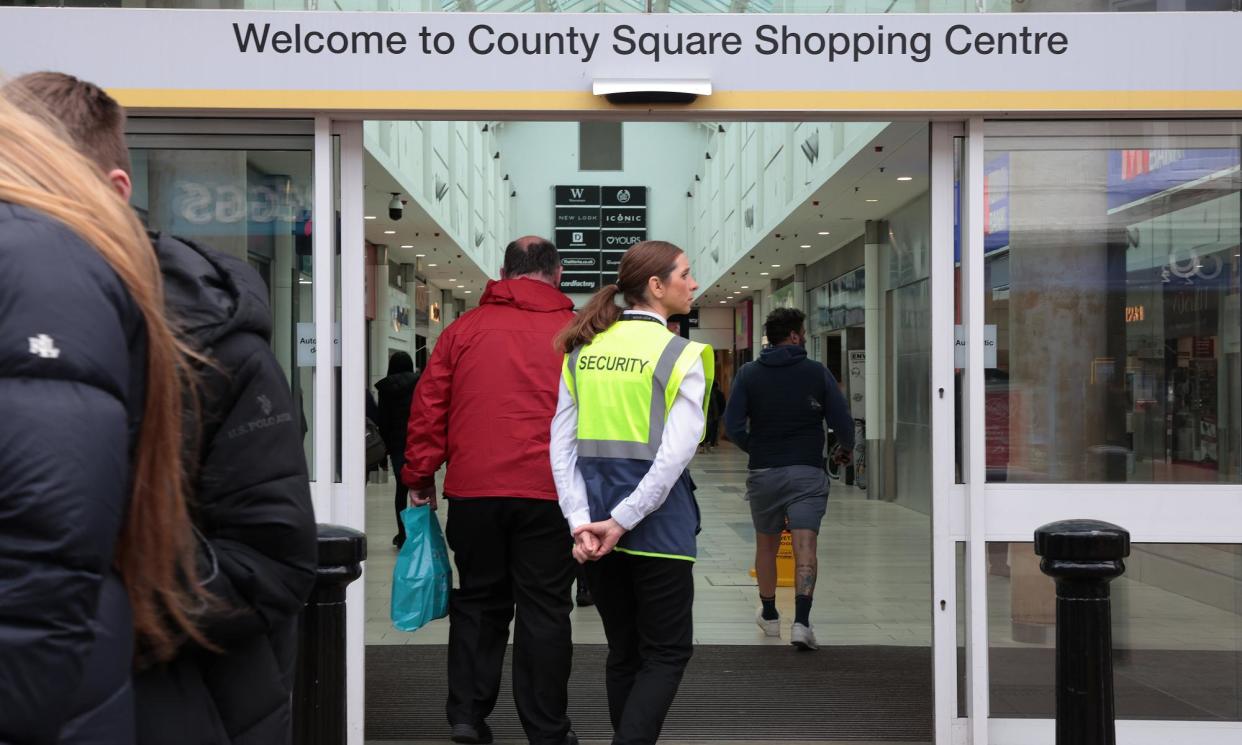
(248, 490)
(484, 405)
(776, 413)
(396, 394)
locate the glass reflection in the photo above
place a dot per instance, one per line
(255, 205)
(1177, 633)
(1111, 296)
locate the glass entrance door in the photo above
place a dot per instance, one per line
(1102, 276)
(242, 187)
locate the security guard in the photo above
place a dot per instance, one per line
(630, 416)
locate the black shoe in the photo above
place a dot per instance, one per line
(398, 541)
(469, 733)
(584, 599)
(571, 738)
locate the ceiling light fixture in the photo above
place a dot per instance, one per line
(722, 302)
(806, 245)
(763, 274)
(905, 178)
(824, 232)
(419, 256)
(469, 291)
(390, 232)
(872, 200)
(431, 265)
(745, 287)
(776, 266)
(408, 245)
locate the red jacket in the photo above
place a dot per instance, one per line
(485, 402)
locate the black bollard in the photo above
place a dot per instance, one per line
(319, 690)
(1083, 556)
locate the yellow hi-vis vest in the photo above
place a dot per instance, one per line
(624, 383)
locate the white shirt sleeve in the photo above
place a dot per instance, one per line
(563, 451)
(682, 432)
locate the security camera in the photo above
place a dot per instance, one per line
(395, 207)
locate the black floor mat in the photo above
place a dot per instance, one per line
(763, 693)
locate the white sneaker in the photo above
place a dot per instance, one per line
(770, 627)
(803, 637)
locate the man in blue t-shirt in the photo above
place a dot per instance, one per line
(776, 413)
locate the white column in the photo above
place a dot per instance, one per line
(757, 316)
(378, 341)
(349, 502)
(323, 452)
(799, 285)
(873, 339)
(944, 557)
(977, 705)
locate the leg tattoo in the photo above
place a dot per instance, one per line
(805, 582)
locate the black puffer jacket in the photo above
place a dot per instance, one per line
(72, 371)
(395, 394)
(252, 509)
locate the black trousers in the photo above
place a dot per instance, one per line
(402, 497)
(645, 603)
(712, 434)
(511, 553)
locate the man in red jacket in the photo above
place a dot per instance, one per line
(484, 405)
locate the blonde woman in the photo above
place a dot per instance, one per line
(95, 541)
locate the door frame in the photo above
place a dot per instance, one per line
(965, 516)
(983, 512)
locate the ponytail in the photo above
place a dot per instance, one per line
(600, 313)
(639, 264)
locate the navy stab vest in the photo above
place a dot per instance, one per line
(624, 383)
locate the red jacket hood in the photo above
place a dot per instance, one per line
(527, 294)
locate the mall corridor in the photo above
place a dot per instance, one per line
(870, 681)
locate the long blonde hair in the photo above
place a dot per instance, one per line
(155, 552)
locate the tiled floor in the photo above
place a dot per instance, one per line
(874, 579)
(874, 570)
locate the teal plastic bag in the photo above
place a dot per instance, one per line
(422, 577)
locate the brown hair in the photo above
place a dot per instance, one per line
(155, 552)
(93, 120)
(639, 264)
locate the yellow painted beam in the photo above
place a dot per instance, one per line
(828, 101)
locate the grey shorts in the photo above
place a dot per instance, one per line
(797, 492)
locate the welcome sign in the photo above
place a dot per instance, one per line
(462, 62)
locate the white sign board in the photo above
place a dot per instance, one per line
(989, 346)
(306, 344)
(343, 61)
(858, 383)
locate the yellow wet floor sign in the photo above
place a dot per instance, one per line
(784, 562)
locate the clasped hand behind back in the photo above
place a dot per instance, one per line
(595, 540)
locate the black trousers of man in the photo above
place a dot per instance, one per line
(645, 603)
(510, 552)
